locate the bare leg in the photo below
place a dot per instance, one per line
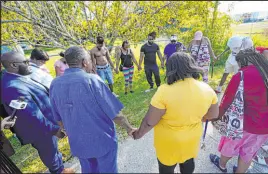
(223, 161)
(130, 87)
(242, 166)
(126, 89)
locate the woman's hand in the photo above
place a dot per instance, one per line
(6, 123)
(136, 135)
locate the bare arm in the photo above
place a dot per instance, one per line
(92, 55)
(210, 48)
(213, 112)
(109, 58)
(123, 122)
(189, 47)
(160, 56)
(152, 117)
(117, 56)
(133, 58)
(141, 58)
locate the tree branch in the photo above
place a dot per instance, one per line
(15, 21)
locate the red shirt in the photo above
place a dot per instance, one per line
(255, 100)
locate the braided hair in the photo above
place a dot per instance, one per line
(247, 56)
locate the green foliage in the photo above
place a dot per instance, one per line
(64, 23)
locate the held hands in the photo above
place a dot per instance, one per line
(139, 68)
(134, 133)
(162, 65)
(131, 131)
(61, 134)
(116, 70)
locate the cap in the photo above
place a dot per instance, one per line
(173, 37)
(198, 35)
(247, 43)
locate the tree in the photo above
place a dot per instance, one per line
(65, 23)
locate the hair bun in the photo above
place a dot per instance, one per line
(61, 54)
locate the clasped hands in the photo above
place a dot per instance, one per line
(134, 133)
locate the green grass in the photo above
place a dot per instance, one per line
(249, 27)
(136, 105)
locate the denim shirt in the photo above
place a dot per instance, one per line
(87, 108)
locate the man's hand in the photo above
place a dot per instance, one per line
(6, 123)
(139, 68)
(162, 65)
(60, 134)
(131, 131)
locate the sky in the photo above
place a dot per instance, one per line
(243, 6)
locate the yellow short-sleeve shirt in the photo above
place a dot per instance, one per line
(177, 135)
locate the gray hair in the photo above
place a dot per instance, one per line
(74, 55)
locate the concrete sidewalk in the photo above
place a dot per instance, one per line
(139, 156)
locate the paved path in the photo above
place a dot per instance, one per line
(139, 156)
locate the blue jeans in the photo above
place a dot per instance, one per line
(105, 73)
(48, 151)
(104, 164)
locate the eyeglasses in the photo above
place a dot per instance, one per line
(26, 62)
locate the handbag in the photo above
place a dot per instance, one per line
(231, 123)
(196, 56)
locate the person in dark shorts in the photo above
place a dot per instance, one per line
(148, 53)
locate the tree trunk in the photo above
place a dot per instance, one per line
(111, 44)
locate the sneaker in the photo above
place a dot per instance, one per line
(216, 161)
(125, 93)
(132, 92)
(115, 95)
(148, 90)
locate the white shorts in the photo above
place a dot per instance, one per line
(230, 68)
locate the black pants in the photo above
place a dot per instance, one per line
(149, 71)
(186, 167)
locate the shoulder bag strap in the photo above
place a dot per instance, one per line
(199, 46)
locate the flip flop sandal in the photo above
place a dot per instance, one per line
(216, 161)
(234, 169)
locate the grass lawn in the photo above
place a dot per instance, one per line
(136, 105)
(256, 27)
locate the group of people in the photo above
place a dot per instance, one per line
(79, 104)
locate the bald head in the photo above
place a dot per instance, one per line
(8, 58)
(77, 57)
(15, 62)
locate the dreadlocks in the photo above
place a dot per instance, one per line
(180, 66)
(258, 60)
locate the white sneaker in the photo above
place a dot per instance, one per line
(115, 95)
(148, 90)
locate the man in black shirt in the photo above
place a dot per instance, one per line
(148, 52)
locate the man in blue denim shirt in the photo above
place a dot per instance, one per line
(87, 109)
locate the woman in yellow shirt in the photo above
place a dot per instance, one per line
(176, 111)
